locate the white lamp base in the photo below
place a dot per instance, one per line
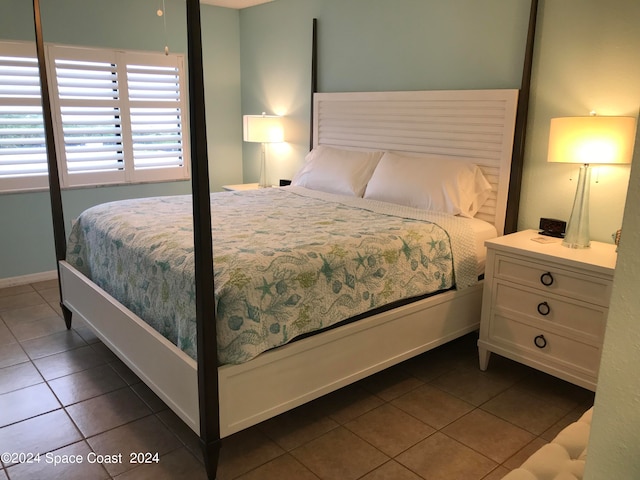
(577, 235)
(262, 182)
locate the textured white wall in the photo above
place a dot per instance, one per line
(615, 432)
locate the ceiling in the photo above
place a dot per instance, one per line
(235, 3)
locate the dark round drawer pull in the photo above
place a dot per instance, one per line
(540, 341)
(544, 308)
(546, 279)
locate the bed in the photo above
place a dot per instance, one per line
(470, 127)
(285, 377)
(301, 260)
(277, 380)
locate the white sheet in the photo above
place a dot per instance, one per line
(483, 231)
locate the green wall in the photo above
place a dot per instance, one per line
(369, 45)
(26, 239)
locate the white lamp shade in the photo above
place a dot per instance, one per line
(590, 140)
(263, 129)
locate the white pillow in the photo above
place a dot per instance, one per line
(333, 170)
(429, 182)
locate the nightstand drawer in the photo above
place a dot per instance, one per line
(576, 319)
(550, 278)
(531, 341)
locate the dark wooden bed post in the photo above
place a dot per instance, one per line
(55, 194)
(314, 76)
(205, 303)
(515, 180)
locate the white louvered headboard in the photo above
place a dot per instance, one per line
(473, 125)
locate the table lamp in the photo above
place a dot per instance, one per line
(588, 140)
(263, 129)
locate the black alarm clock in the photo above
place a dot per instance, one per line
(552, 227)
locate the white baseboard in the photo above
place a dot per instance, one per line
(26, 279)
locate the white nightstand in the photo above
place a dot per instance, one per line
(546, 305)
(240, 186)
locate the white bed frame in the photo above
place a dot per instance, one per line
(476, 125)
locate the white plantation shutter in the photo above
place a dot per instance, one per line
(119, 116)
(23, 154)
(86, 100)
(157, 111)
(122, 115)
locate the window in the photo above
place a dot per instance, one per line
(23, 153)
(119, 117)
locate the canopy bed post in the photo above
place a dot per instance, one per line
(57, 213)
(515, 182)
(203, 251)
(314, 75)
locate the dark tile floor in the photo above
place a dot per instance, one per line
(64, 395)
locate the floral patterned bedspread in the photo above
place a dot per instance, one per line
(286, 261)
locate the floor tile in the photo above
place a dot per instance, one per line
(58, 465)
(390, 429)
(180, 429)
(501, 368)
(51, 344)
(175, 465)
(103, 352)
(339, 455)
(391, 470)
(284, 467)
(19, 376)
(433, 406)
(152, 401)
(12, 354)
(297, 427)
(428, 366)
(86, 384)
(51, 295)
(555, 391)
(107, 411)
(523, 454)
(27, 314)
(44, 284)
(244, 451)
(569, 418)
(125, 372)
(39, 434)
(16, 290)
(6, 337)
(471, 385)
(10, 302)
(524, 410)
(440, 457)
(489, 435)
(66, 363)
(348, 403)
(147, 436)
(25, 403)
(85, 332)
(391, 383)
(28, 330)
(497, 474)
